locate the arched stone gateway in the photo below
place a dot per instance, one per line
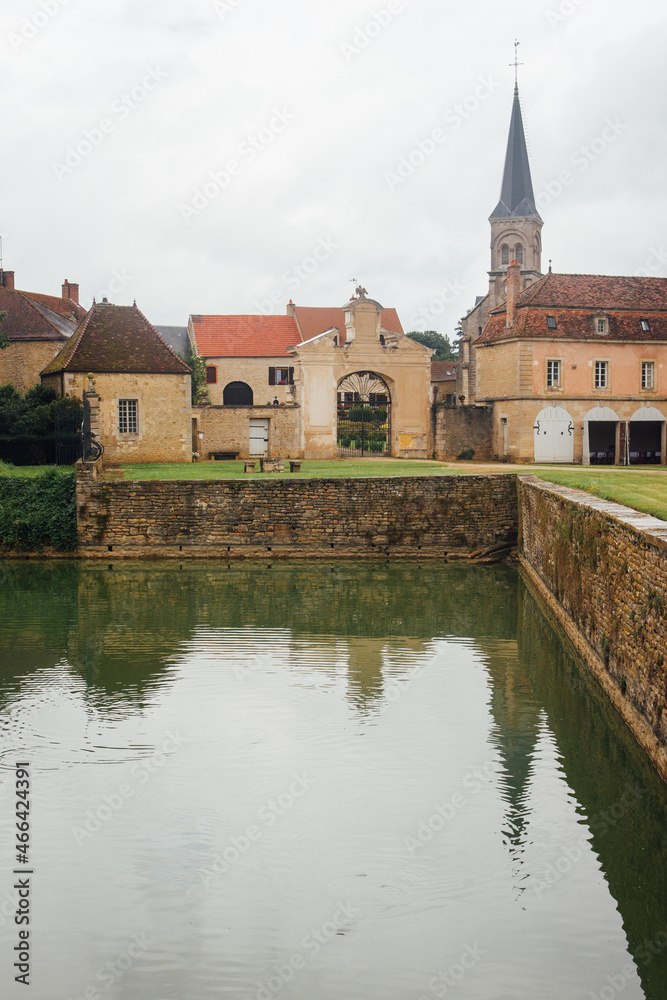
(600, 436)
(364, 415)
(553, 435)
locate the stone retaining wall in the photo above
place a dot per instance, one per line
(429, 517)
(602, 570)
(458, 428)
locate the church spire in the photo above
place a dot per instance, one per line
(517, 200)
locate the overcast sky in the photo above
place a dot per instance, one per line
(118, 114)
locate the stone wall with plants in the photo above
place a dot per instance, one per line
(465, 431)
(429, 517)
(37, 513)
(605, 567)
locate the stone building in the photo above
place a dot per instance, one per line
(138, 388)
(278, 385)
(37, 327)
(575, 368)
(443, 382)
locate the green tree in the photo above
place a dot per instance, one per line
(439, 343)
(198, 377)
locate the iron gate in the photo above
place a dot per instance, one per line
(68, 435)
(364, 415)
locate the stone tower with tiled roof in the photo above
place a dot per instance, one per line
(516, 234)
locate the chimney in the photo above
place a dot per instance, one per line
(7, 280)
(70, 291)
(290, 308)
(513, 291)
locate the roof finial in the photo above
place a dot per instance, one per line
(516, 65)
(549, 265)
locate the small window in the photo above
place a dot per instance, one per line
(127, 416)
(504, 254)
(551, 322)
(553, 374)
(281, 376)
(601, 325)
(601, 374)
(211, 374)
(648, 374)
(518, 253)
(646, 326)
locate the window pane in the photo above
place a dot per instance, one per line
(127, 416)
(600, 374)
(647, 374)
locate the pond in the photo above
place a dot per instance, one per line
(316, 782)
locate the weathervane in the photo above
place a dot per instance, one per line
(516, 64)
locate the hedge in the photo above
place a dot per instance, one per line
(38, 511)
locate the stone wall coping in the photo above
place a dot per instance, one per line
(645, 524)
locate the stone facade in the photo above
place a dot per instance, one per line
(226, 429)
(22, 361)
(255, 373)
(432, 517)
(163, 408)
(462, 427)
(602, 570)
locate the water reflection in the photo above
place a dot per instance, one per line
(412, 689)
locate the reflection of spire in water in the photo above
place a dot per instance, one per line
(364, 679)
(518, 722)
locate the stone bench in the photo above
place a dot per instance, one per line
(272, 464)
(295, 466)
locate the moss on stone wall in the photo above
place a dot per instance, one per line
(38, 511)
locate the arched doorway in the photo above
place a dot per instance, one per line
(364, 415)
(237, 394)
(645, 433)
(600, 436)
(553, 435)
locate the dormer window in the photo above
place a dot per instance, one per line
(551, 323)
(646, 326)
(601, 325)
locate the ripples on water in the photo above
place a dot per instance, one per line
(320, 782)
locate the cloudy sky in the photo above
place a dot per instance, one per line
(224, 156)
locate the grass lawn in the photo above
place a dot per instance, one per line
(335, 469)
(645, 491)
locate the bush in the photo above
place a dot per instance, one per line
(38, 511)
(467, 454)
(27, 424)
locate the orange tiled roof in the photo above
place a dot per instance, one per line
(313, 320)
(117, 339)
(442, 371)
(244, 336)
(575, 300)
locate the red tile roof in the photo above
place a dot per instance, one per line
(443, 371)
(25, 321)
(314, 320)
(117, 339)
(576, 300)
(66, 308)
(244, 336)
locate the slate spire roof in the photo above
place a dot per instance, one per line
(517, 200)
(117, 339)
